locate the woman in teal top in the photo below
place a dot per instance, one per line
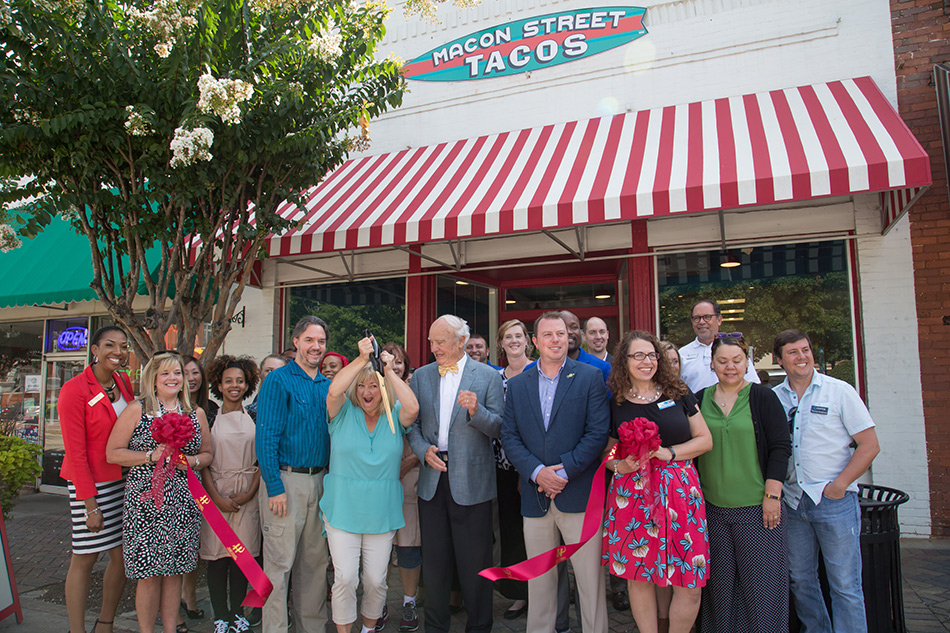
(742, 480)
(362, 498)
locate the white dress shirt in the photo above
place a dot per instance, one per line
(828, 414)
(696, 367)
(448, 396)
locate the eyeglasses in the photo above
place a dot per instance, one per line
(696, 318)
(638, 356)
(729, 335)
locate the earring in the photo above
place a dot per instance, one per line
(95, 359)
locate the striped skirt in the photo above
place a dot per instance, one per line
(110, 498)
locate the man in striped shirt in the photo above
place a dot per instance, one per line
(293, 449)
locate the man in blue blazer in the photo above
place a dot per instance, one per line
(554, 430)
(460, 406)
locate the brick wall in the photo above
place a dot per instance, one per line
(922, 39)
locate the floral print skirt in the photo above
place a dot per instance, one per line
(655, 526)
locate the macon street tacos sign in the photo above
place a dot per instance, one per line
(538, 42)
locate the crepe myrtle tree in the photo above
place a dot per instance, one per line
(176, 128)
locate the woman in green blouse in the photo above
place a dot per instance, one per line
(362, 496)
(742, 481)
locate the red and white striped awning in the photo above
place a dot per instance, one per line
(831, 139)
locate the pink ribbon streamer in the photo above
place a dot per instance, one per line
(593, 520)
(260, 583)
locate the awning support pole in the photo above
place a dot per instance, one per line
(579, 254)
(405, 249)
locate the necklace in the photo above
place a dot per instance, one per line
(656, 394)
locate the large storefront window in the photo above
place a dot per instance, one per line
(21, 356)
(470, 301)
(351, 308)
(804, 286)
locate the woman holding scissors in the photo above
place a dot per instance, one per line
(365, 455)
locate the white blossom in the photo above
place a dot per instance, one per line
(222, 96)
(136, 124)
(8, 239)
(71, 214)
(326, 45)
(191, 145)
(263, 6)
(166, 20)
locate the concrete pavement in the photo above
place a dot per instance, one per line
(39, 542)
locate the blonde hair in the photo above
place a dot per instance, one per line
(158, 363)
(367, 372)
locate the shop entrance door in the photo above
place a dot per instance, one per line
(589, 296)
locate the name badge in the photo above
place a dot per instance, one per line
(665, 405)
(819, 410)
(96, 399)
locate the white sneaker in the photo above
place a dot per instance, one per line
(220, 626)
(240, 625)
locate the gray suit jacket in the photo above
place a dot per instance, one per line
(471, 461)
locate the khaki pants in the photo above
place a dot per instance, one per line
(545, 533)
(295, 543)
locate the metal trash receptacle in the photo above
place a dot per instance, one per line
(881, 558)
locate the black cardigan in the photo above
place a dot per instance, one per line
(771, 431)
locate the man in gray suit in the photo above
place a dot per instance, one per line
(460, 407)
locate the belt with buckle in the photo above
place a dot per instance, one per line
(313, 470)
(443, 455)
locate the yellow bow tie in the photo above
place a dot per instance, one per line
(444, 369)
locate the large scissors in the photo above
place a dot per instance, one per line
(377, 364)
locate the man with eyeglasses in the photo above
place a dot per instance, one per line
(827, 418)
(696, 357)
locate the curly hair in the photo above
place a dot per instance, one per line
(665, 377)
(245, 363)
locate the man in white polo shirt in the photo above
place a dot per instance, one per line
(833, 443)
(696, 357)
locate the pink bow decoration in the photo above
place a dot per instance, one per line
(174, 430)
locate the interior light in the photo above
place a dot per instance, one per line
(601, 296)
(461, 283)
(730, 260)
(510, 301)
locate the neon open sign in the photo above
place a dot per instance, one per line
(525, 45)
(73, 338)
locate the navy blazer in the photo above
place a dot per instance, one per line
(576, 436)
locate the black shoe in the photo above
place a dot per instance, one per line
(195, 614)
(620, 601)
(513, 614)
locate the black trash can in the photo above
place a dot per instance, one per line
(881, 558)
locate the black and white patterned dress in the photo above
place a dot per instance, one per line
(165, 542)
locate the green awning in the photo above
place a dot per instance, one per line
(53, 267)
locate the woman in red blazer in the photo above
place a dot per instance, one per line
(88, 407)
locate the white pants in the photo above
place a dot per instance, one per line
(346, 549)
(545, 533)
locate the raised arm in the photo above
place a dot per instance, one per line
(336, 395)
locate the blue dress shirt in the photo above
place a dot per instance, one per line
(291, 424)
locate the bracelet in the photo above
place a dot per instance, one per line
(673, 453)
(89, 513)
(616, 465)
(148, 457)
(197, 462)
(771, 496)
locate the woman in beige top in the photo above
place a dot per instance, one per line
(232, 481)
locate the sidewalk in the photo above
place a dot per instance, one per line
(39, 544)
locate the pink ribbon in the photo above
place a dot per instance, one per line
(593, 520)
(260, 583)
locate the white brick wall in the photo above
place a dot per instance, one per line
(889, 323)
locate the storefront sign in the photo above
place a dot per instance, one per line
(73, 339)
(529, 44)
